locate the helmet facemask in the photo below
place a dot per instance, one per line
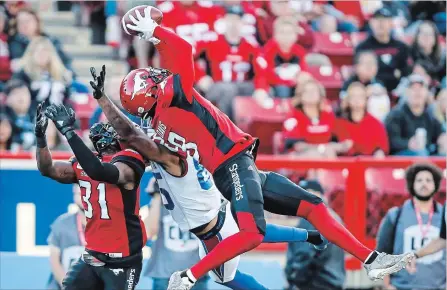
(104, 138)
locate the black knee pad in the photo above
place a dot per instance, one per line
(282, 196)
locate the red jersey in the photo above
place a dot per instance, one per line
(299, 127)
(233, 63)
(194, 22)
(284, 66)
(5, 64)
(364, 144)
(184, 119)
(112, 212)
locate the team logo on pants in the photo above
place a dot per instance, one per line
(236, 182)
(117, 271)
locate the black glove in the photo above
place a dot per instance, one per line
(98, 84)
(62, 118)
(40, 127)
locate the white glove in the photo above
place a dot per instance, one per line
(145, 25)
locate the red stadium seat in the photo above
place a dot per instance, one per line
(257, 121)
(337, 46)
(84, 105)
(330, 77)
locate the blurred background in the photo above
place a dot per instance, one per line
(348, 93)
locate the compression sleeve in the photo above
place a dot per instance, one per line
(176, 55)
(92, 166)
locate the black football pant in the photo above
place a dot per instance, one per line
(82, 276)
(251, 191)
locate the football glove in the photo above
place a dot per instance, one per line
(62, 118)
(145, 25)
(98, 83)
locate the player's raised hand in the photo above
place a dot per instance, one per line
(144, 24)
(62, 118)
(98, 82)
(41, 122)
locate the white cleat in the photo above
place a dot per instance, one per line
(177, 282)
(385, 264)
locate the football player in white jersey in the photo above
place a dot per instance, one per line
(189, 193)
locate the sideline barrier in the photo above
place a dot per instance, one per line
(355, 195)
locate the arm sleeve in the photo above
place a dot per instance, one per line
(397, 142)
(176, 55)
(385, 239)
(92, 166)
(299, 259)
(443, 224)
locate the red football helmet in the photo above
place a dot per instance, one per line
(141, 88)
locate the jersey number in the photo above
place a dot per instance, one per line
(101, 199)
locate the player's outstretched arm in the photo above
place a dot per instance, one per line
(64, 120)
(60, 171)
(127, 130)
(175, 52)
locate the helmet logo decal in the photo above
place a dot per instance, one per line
(138, 83)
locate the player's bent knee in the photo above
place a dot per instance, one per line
(250, 240)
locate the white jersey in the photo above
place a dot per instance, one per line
(193, 200)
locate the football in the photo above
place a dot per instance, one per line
(156, 15)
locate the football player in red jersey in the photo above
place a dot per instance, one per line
(186, 121)
(114, 233)
(235, 63)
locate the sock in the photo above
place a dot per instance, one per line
(314, 237)
(371, 257)
(320, 217)
(281, 234)
(242, 281)
(226, 250)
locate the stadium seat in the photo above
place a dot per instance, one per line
(337, 46)
(84, 105)
(331, 79)
(258, 121)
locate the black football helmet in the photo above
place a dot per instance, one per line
(104, 138)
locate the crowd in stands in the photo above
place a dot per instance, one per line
(381, 91)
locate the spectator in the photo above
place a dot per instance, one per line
(434, 246)
(394, 55)
(426, 47)
(440, 108)
(173, 249)
(276, 9)
(411, 226)
(28, 28)
(365, 71)
(328, 19)
(66, 241)
(285, 58)
(307, 268)
(231, 59)
(419, 68)
(44, 73)
(309, 128)
(355, 121)
(411, 128)
(18, 104)
(6, 133)
(5, 64)
(379, 103)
